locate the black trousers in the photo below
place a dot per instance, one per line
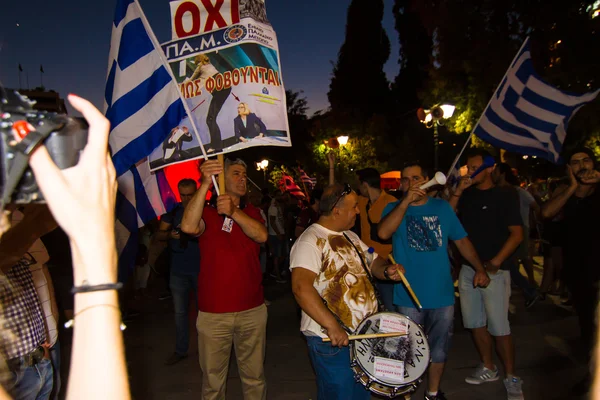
(582, 281)
(219, 98)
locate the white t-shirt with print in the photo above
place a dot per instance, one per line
(341, 279)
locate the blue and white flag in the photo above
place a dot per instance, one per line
(526, 114)
(142, 103)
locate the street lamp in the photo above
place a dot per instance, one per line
(263, 166)
(342, 140)
(432, 119)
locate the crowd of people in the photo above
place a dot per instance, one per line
(336, 245)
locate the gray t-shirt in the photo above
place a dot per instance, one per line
(525, 201)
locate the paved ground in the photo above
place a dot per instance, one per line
(547, 355)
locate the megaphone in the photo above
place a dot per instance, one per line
(438, 179)
(488, 161)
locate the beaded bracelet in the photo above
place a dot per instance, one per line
(87, 288)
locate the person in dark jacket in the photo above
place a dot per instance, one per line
(247, 125)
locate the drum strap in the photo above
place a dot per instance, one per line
(364, 265)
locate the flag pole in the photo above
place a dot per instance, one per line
(161, 54)
(41, 76)
(485, 109)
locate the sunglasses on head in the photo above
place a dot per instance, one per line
(347, 190)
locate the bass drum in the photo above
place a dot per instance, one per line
(391, 366)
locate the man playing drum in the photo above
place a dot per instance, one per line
(421, 227)
(331, 284)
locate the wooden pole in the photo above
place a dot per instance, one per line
(221, 176)
(410, 291)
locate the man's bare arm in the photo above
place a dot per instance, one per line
(37, 222)
(559, 198)
(254, 229)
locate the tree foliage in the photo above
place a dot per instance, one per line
(359, 88)
(474, 41)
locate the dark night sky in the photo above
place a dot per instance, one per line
(70, 38)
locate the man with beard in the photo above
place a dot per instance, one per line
(579, 202)
(332, 272)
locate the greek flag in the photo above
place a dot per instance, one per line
(143, 104)
(308, 181)
(526, 114)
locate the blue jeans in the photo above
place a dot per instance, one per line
(55, 357)
(33, 383)
(438, 324)
(181, 287)
(335, 378)
(386, 291)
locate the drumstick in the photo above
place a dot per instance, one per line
(371, 336)
(412, 294)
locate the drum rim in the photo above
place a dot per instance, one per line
(415, 382)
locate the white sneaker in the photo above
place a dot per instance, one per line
(513, 388)
(482, 375)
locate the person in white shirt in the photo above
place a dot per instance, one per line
(332, 274)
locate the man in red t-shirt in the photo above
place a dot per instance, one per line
(230, 293)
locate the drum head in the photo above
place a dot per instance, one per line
(392, 365)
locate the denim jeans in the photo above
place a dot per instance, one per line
(33, 383)
(55, 357)
(438, 324)
(485, 306)
(386, 291)
(335, 378)
(181, 287)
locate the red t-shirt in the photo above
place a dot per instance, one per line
(230, 278)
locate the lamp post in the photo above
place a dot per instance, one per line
(263, 166)
(433, 118)
(342, 140)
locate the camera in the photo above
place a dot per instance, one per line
(64, 137)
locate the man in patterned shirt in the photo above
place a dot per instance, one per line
(329, 263)
(24, 340)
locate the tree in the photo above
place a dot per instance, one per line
(364, 149)
(414, 58)
(475, 41)
(297, 107)
(359, 88)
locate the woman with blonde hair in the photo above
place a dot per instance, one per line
(247, 125)
(204, 71)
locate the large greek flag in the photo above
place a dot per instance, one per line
(143, 104)
(526, 114)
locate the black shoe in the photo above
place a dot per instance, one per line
(175, 358)
(567, 302)
(165, 296)
(439, 396)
